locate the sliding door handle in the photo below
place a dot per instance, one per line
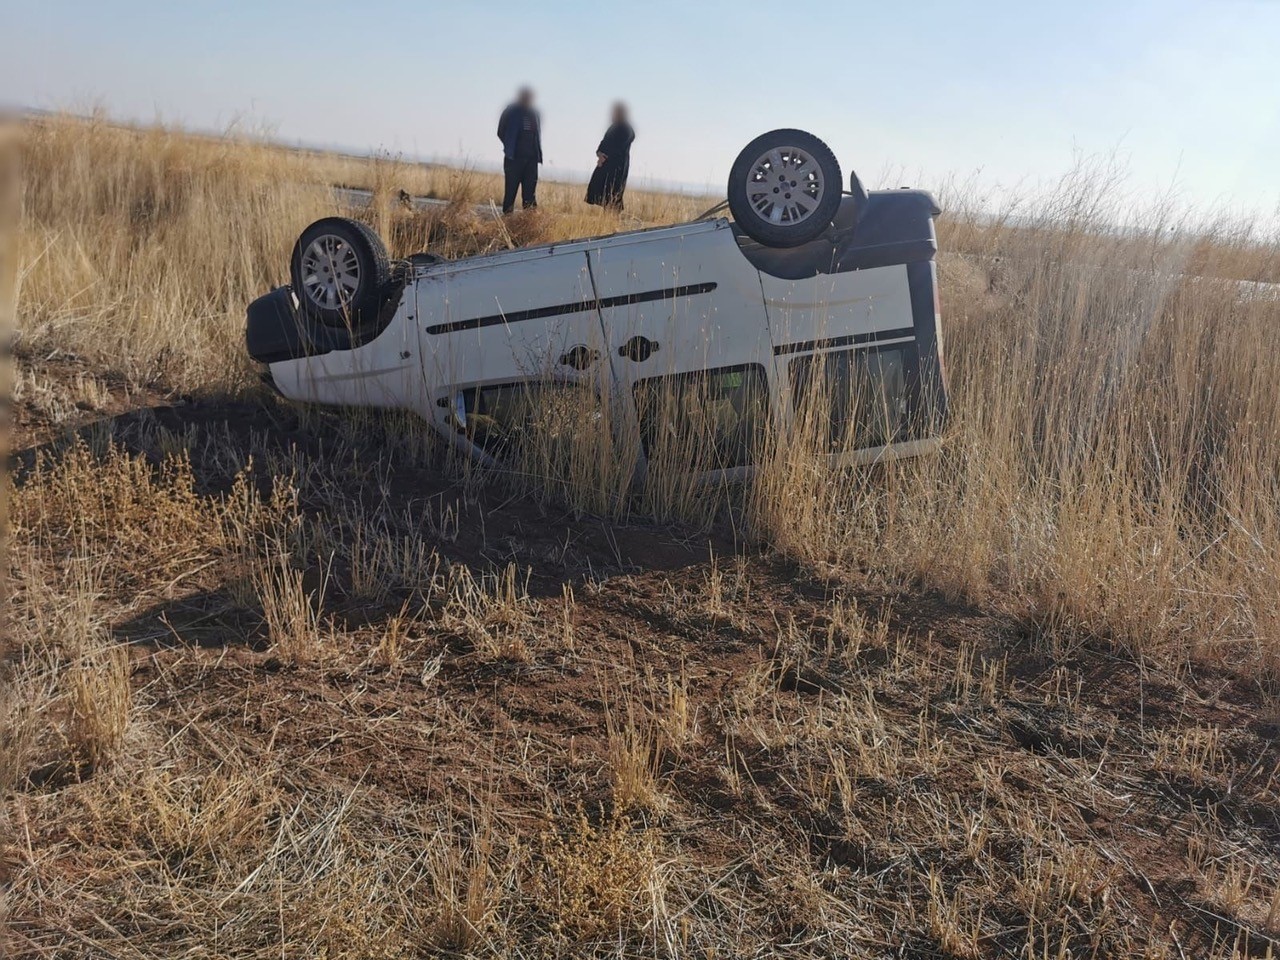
(638, 349)
(579, 357)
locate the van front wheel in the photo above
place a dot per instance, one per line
(340, 272)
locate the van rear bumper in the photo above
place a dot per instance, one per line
(273, 329)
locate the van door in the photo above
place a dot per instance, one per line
(687, 333)
(503, 337)
(847, 344)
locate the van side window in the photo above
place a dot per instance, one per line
(506, 420)
(706, 419)
(859, 398)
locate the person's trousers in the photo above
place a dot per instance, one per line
(522, 175)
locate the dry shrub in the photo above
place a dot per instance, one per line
(566, 444)
(71, 721)
(23, 702)
(207, 820)
(138, 520)
(495, 616)
(953, 920)
(138, 526)
(140, 249)
(1195, 753)
(678, 720)
(383, 561)
(214, 862)
(73, 701)
(256, 531)
(291, 604)
(1230, 888)
(110, 531)
(1064, 877)
(600, 880)
(59, 403)
(99, 703)
(635, 749)
(465, 885)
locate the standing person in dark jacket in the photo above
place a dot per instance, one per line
(520, 130)
(613, 162)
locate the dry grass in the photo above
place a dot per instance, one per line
(1111, 465)
(285, 682)
(601, 879)
(139, 250)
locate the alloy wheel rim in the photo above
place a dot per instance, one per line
(786, 186)
(330, 272)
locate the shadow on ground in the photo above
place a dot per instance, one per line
(359, 466)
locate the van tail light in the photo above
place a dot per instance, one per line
(937, 326)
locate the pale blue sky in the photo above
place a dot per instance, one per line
(1186, 93)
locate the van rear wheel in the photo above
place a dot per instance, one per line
(784, 188)
(340, 272)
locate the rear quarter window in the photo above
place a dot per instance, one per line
(856, 399)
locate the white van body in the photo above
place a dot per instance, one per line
(694, 300)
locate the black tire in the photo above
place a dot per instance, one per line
(340, 272)
(792, 211)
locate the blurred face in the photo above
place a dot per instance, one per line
(619, 113)
(525, 97)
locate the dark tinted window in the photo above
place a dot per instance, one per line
(505, 418)
(860, 397)
(704, 420)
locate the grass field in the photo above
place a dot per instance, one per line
(287, 682)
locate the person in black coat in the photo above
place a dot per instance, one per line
(613, 162)
(520, 130)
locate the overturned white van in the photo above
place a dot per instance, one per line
(808, 290)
